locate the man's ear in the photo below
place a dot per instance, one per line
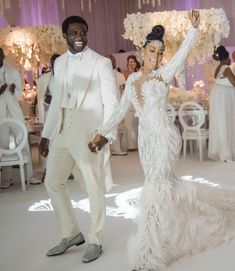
(65, 36)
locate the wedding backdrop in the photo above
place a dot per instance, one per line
(105, 18)
(32, 30)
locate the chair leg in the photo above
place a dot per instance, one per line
(200, 149)
(0, 179)
(191, 146)
(26, 174)
(184, 148)
(22, 176)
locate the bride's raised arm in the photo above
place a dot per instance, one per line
(169, 70)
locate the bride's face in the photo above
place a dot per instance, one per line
(152, 54)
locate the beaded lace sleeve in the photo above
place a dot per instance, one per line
(169, 70)
(120, 112)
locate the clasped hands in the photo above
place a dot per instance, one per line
(4, 87)
(97, 143)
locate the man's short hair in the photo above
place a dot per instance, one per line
(72, 20)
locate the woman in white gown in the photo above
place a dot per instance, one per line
(222, 110)
(177, 218)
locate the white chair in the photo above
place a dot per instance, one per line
(192, 118)
(14, 155)
(171, 111)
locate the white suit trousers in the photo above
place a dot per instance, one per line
(69, 148)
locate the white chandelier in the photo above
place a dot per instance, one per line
(153, 2)
(140, 3)
(6, 4)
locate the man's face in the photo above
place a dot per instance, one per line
(76, 37)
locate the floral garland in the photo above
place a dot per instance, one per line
(213, 27)
(30, 46)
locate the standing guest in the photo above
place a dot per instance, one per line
(131, 121)
(222, 110)
(10, 90)
(133, 65)
(209, 71)
(84, 96)
(44, 96)
(116, 147)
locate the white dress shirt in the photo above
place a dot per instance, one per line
(71, 86)
(2, 75)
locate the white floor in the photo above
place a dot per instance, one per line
(26, 235)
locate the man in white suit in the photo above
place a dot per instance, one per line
(84, 97)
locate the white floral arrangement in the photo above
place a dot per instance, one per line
(214, 26)
(29, 46)
(177, 96)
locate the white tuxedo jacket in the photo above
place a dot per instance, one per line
(96, 99)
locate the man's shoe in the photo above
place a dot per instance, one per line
(92, 253)
(65, 244)
(35, 181)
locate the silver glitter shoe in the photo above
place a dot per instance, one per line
(65, 244)
(92, 253)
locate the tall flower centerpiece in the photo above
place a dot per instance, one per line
(213, 27)
(29, 46)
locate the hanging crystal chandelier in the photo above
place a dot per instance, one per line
(153, 2)
(6, 4)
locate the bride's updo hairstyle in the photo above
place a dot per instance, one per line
(220, 53)
(156, 35)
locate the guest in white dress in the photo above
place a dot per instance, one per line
(222, 110)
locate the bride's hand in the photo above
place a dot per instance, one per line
(194, 17)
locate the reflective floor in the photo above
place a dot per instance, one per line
(28, 227)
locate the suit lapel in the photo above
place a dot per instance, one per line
(84, 75)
